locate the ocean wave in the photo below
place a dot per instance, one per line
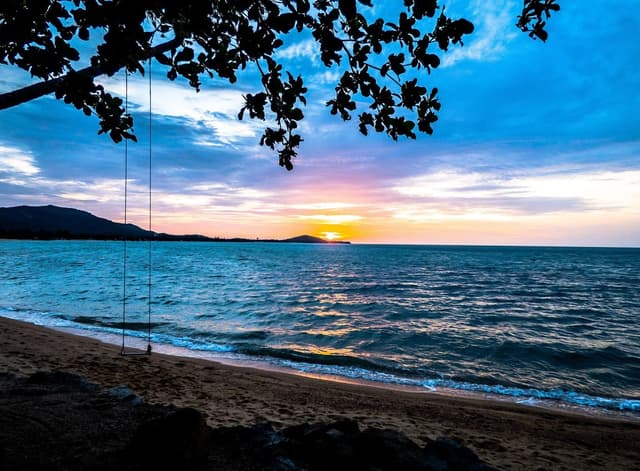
(333, 365)
(557, 354)
(129, 325)
(529, 394)
(295, 357)
(529, 323)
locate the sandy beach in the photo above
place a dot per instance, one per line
(505, 435)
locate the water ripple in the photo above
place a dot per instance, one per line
(554, 323)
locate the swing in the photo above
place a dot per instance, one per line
(124, 351)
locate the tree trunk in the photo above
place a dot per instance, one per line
(37, 90)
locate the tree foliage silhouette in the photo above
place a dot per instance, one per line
(382, 60)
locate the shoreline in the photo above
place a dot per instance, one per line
(543, 399)
(239, 361)
(233, 359)
(506, 435)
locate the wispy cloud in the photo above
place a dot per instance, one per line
(215, 112)
(95, 190)
(494, 29)
(210, 195)
(324, 206)
(332, 218)
(456, 194)
(305, 49)
(12, 78)
(327, 77)
(14, 160)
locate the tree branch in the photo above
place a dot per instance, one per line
(37, 90)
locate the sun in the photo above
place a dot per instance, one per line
(329, 235)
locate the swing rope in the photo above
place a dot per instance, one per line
(124, 260)
(124, 239)
(150, 233)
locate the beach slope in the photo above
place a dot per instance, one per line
(505, 435)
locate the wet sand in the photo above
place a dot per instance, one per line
(505, 435)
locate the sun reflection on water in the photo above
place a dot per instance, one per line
(318, 350)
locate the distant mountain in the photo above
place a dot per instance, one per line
(308, 239)
(54, 222)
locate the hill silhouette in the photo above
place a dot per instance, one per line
(55, 222)
(307, 239)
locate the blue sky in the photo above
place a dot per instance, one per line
(537, 143)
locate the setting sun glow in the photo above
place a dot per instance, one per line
(331, 235)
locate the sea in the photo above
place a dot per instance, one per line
(535, 325)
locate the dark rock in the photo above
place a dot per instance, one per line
(124, 394)
(245, 440)
(342, 446)
(58, 421)
(6, 376)
(388, 449)
(314, 431)
(62, 380)
(341, 428)
(264, 435)
(320, 446)
(246, 449)
(445, 454)
(180, 440)
(282, 463)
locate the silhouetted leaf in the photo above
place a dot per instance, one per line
(189, 38)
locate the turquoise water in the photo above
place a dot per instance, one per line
(532, 323)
